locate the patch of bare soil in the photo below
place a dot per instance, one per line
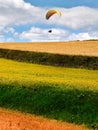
(12, 120)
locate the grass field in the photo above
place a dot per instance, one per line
(23, 72)
(66, 94)
(89, 48)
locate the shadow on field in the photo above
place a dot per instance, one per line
(75, 61)
(72, 105)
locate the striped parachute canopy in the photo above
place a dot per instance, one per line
(52, 12)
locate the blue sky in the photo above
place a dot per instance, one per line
(64, 3)
(24, 20)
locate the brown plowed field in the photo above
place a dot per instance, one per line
(11, 120)
(89, 48)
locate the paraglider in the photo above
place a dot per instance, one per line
(50, 13)
(50, 31)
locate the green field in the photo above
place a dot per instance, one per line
(67, 94)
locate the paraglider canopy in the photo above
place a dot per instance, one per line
(52, 12)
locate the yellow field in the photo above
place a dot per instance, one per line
(89, 48)
(25, 73)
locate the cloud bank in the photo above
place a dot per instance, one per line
(18, 13)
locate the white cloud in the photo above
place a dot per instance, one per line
(1, 38)
(9, 30)
(80, 17)
(94, 34)
(79, 36)
(37, 34)
(17, 12)
(10, 39)
(1, 30)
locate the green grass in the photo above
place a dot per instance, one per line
(65, 94)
